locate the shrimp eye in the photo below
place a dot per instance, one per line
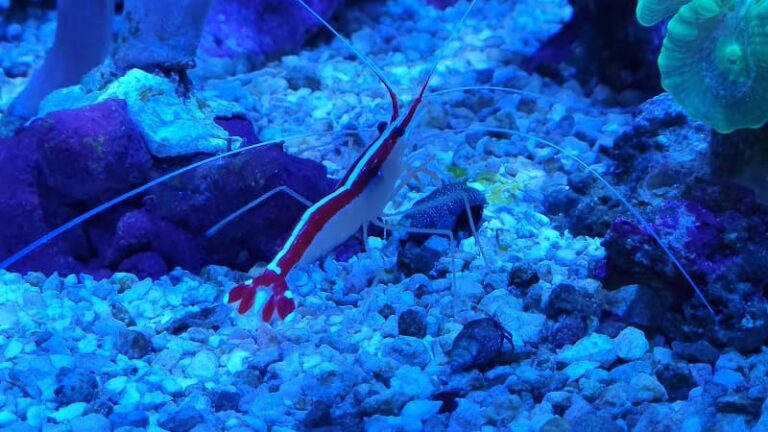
(381, 127)
(398, 131)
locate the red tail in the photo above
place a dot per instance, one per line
(246, 295)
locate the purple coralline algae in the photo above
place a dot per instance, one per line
(717, 233)
(71, 161)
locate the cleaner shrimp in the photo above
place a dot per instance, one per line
(360, 196)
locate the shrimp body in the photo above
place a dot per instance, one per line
(359, 197)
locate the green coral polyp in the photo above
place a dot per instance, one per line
(714, 62)
(730, 60)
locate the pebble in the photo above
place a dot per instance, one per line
(578, 368)
(75, 385)
(421, 409)
(527, 326)
(89, 423)
(696, 352)
(412, 322)
(116, 385)
(731, 360)
(69, 412)
(6, 418)
(204, 365)
(13, 349)
(182, 420)
(729, 378)
(407, 350)
(595, 347)
(412, 382)
(134, 344)
(236, 360)
(631, 344)
(646, 388)
(627, 371)
(226, 400)
(137, 419)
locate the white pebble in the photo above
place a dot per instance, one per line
(69, 412)
(203, 365)
(13, 349)
(116, 384)
(6, 418)
(631, 344)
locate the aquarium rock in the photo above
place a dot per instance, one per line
(171, 125)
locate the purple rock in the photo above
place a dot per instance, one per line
(718, 235)
(261, 29)
(209, 194)
(72, 161)
(238, 126)
(92, 152)
(147, 246)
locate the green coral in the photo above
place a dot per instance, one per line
(714, 59)
(650, 12)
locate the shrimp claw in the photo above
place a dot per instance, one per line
(279, 299)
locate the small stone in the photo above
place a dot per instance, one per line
(69, 412)
(209, 317)
(421, 409)
(13, 349)
(696, 352)
(412, 382)
(568, 330)
(578, 368)
(36, 416)
(556, 424)
(701, 373)
(663, 356)
(89, 423)
(528, 326)
(226, 400)
(319, 415)
(595, 347)
(467, 417)
(730, 379)
(731, 360)
(407, 350)
(631, 344)
(676, 379)
(204, 365)
(120, 313)
(75, 385)
(412, 322)
(136, 419)
(133, 344)
(6, 418)
(183, 420)
(738, 404)
(236, 360)
(116, 384)
(567, 299)
(646, 388)
(627, 371)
